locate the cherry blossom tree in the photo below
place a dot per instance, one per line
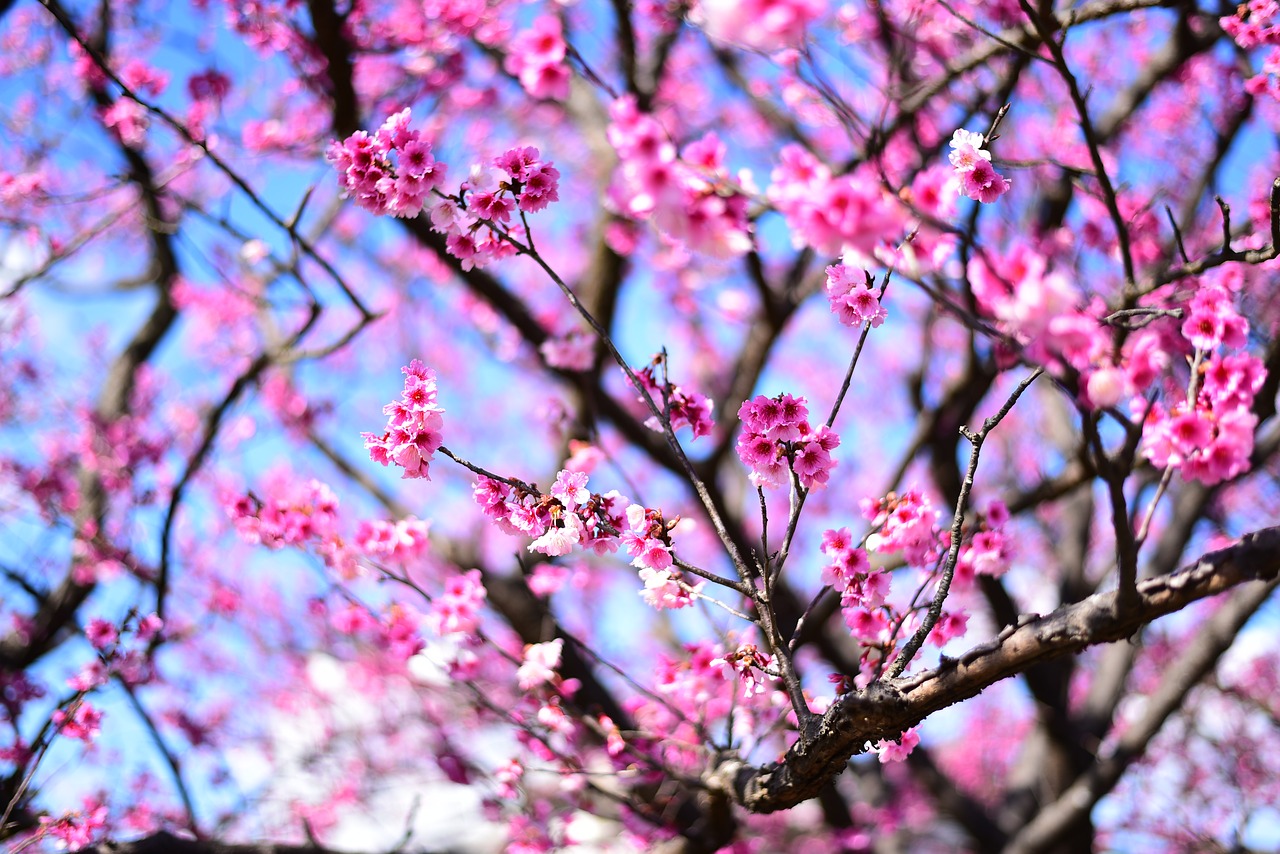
(729, 425)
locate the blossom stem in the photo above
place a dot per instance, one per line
(699, 488)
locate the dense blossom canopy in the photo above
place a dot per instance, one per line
(713, 426)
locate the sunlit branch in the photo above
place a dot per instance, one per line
(886, 708)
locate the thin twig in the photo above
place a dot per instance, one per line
(1151, 510)
(170, 759)
(1177, 235)
(957, 523)
(1092, 142)
(1226, 222)
(60, 14)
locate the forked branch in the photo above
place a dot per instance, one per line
(885, 709)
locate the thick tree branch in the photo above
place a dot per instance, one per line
(886, 709)
(327, 22)
(1196, 662)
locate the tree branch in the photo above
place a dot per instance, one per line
(886, 709)
(1196, 662)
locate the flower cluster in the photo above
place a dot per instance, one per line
(132, 666)
(391, 172)
(76, 830)
(118, 450)
(457, 608)
(685, 409)
(82, 722)
(569, 517)
(1256, 23)
(853, 297)
(862, 589)
(950, 625)
(1142, 361)
(978, 178)
(989, 550)
(539, 665)
(777, 437)
(413, 425)
(399, 633)
(125, 117)
(1048, 317)
(690, 685)
(904, 523)
(1209, 439)
(128, 120)
(294, 518)
(478, 220)
(305, 515)
(648, 540)
(532, 182)
(1038, 306)
(572, 517)
(537, 57)
(834, 215)
(751, 666)
(1208, 435)
(689, 197)
(761, 24)
(1211, 320)
(396, 632)
(398, 541)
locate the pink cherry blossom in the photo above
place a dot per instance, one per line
(100, 633)
(82, 723)
(539, 664)
(413, 431)
(220, 241)
(897, 750)
(75, 831)
(978, 178)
